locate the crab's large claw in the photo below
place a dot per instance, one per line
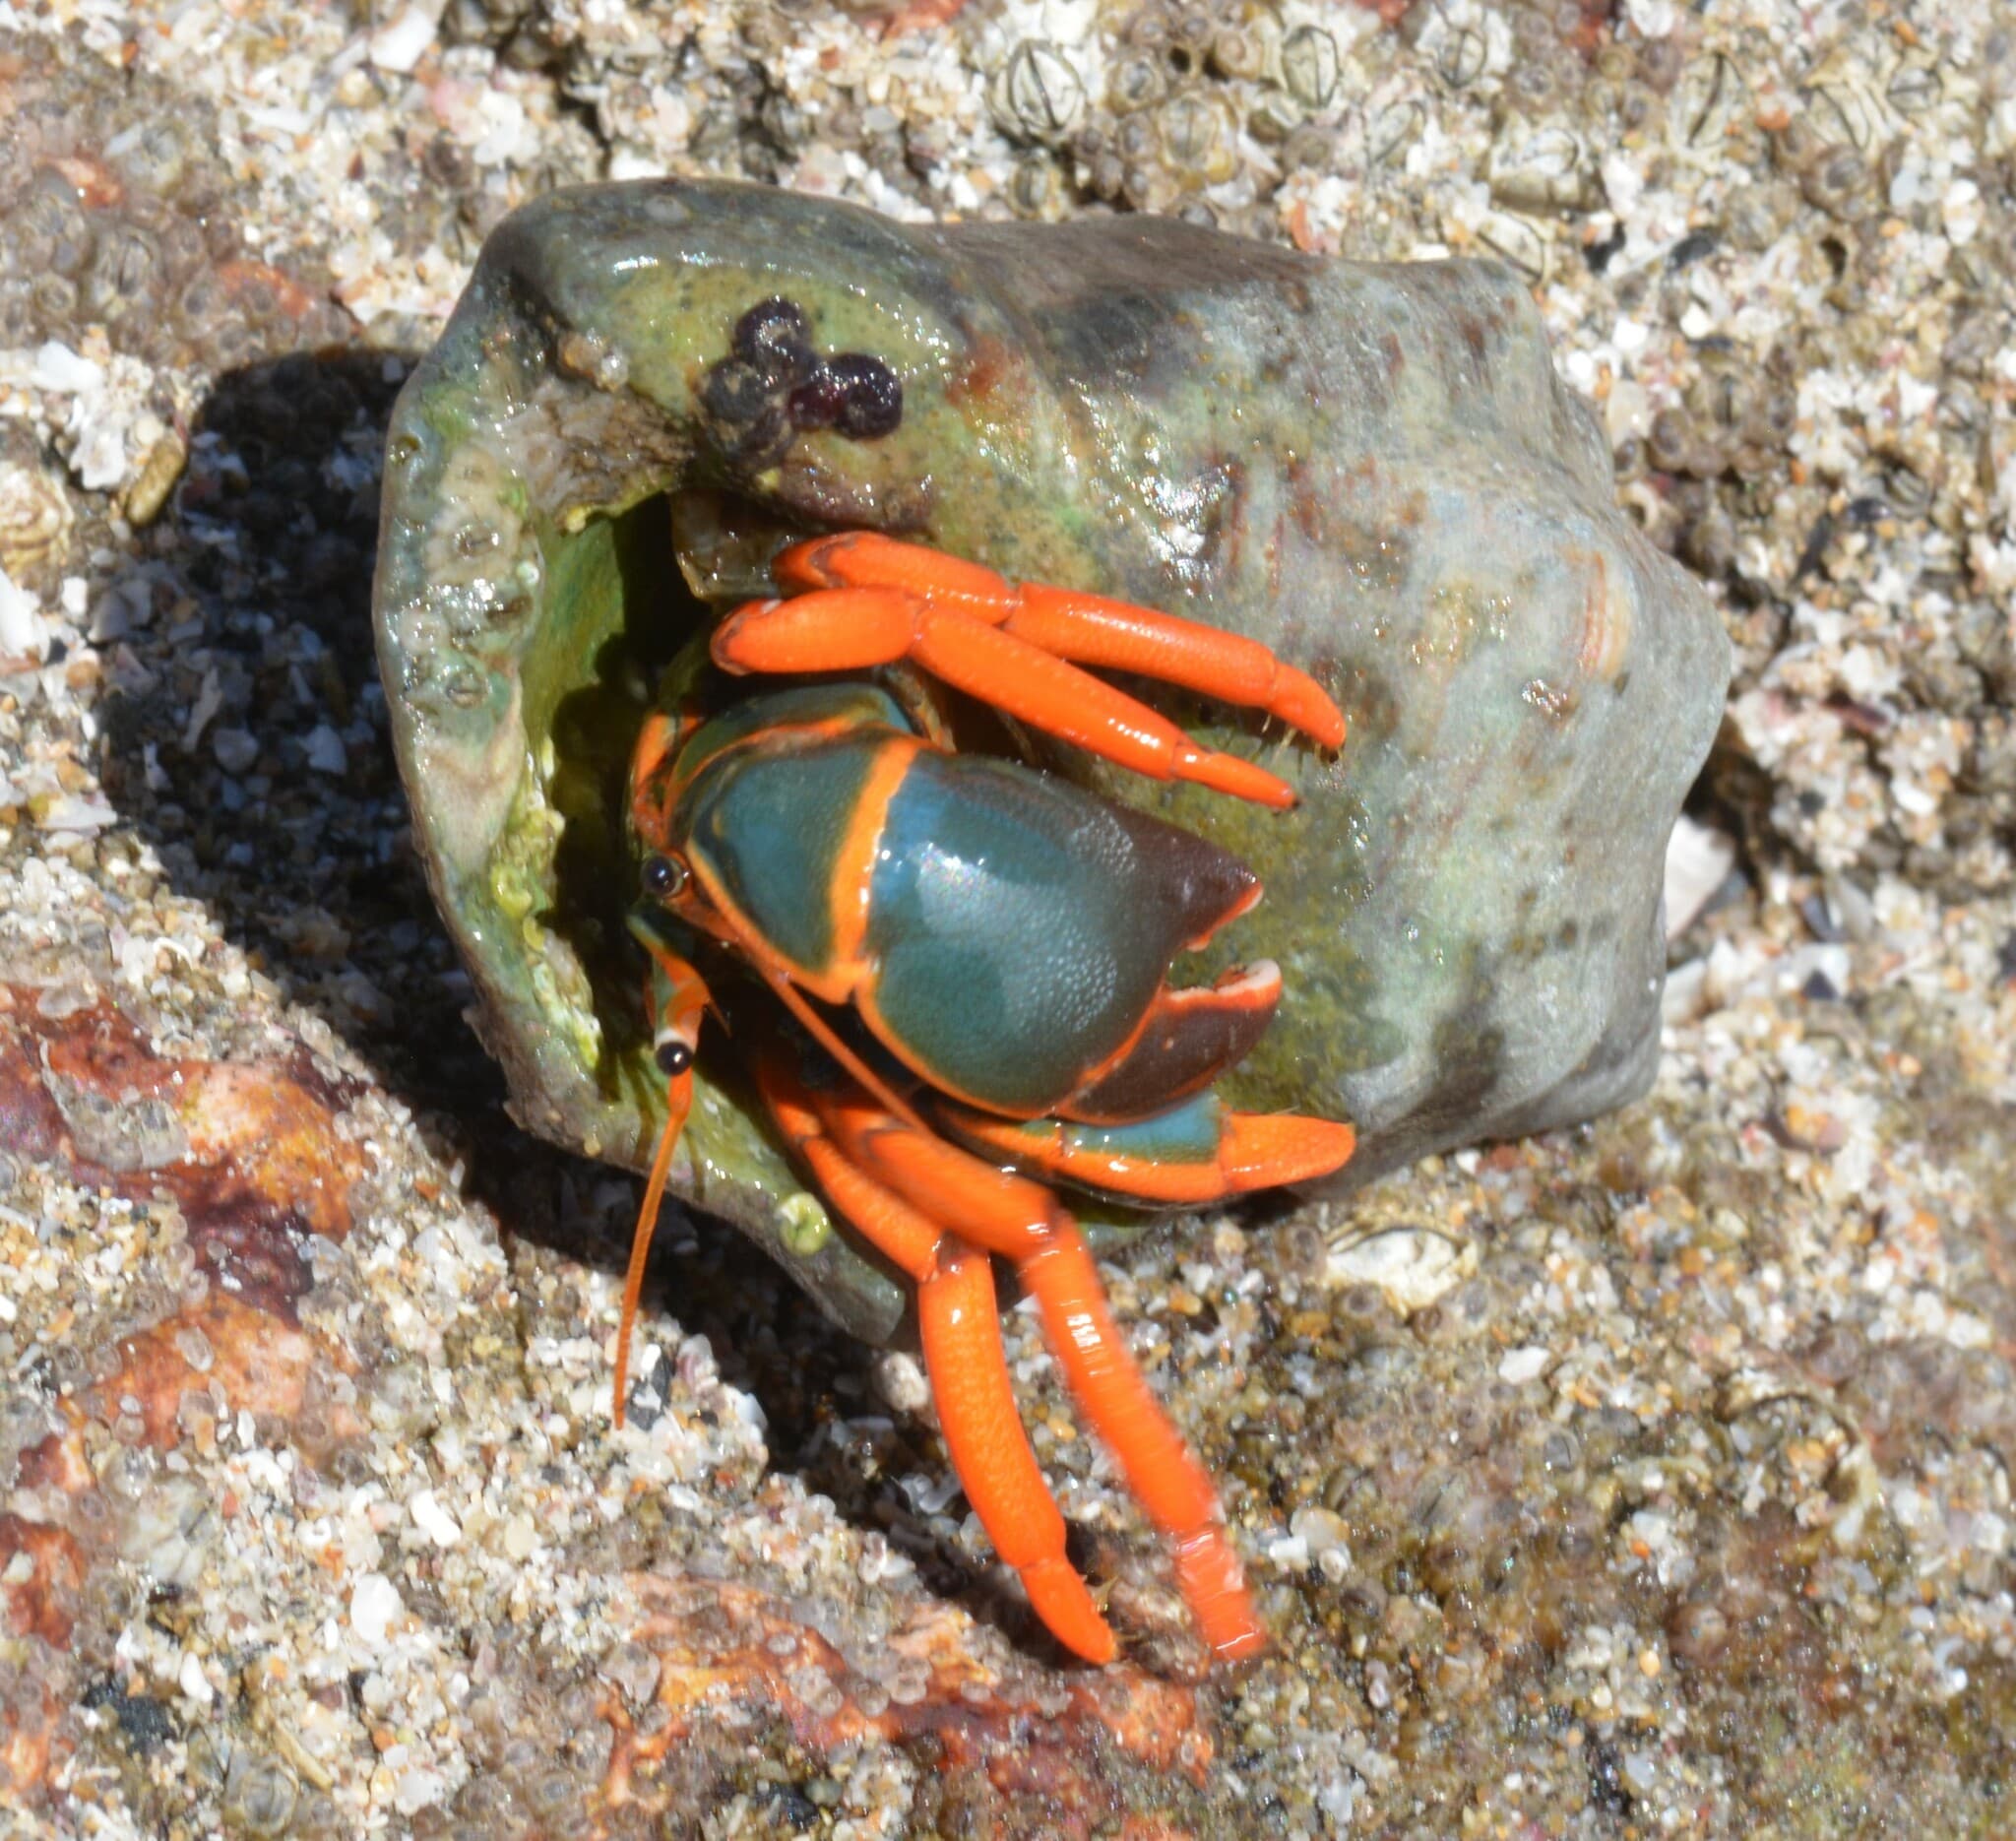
(1185, 1040)
(905, 1189)
(861, 600)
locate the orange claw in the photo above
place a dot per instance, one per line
(864, 600)
(1117, 636)
(1255, 1151)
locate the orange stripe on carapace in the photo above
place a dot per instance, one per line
(854, 863)
(836, 982)
(820, 728)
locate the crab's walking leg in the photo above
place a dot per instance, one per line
(1192, 1153)
(871, 601)
(846, 630)
(1091, 629)
(1013, 1216)
(1170, 1482)
(960, 1322)
(961, 1327)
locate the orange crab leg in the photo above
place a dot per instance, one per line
(1170, 1484)
(869, 601)
(1011, 1215)
(960, 1324)
(1089, 629)
(1254, 1151)
(1117, 636)
(997, 1209)
(846, 630)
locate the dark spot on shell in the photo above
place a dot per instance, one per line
(763, 442)
(775, 386)
(1119, 334)
(774, 339)
(1469, 1057)
(988, 362)
(1372, 703)
(818, 402)
(736, 394)
(873, 404)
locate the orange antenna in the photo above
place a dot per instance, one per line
(647, 1224)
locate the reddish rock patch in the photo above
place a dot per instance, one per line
(44, 1604)
(722, 1645)
(236, 1144)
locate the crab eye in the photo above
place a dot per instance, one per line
(663, 877)
(673, 1058)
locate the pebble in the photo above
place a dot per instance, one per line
(375, 1605)
(22, 632)
(398, 45)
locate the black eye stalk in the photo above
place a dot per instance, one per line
(774, 386)
(673, 1058)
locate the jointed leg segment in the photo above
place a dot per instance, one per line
(863, 600)
(958, 1319)
(903, 1189)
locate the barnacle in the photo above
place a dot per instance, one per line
(112, 212)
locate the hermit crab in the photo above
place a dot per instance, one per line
(1002, 937)
(673, 417)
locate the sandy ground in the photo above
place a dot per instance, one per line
(1646, 1479)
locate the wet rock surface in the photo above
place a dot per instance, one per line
(1650, 1476)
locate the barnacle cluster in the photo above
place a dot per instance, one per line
(36, 521)
(116, 212)
(1164, 123)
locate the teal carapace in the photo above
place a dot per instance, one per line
(1018, 927)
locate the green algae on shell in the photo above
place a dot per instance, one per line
(1372, 468)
